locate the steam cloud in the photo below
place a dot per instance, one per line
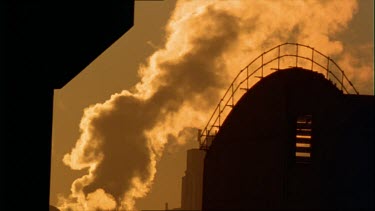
(207, 43)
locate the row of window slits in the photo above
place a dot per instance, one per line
(303, 139)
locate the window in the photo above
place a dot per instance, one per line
(303, 139)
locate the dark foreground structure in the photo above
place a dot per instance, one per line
(43, 46)
(192, 181)
(293, 141)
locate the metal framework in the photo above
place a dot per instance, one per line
(280, 57)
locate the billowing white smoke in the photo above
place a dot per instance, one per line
(207, 43)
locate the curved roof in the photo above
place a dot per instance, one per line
(251, 163)
(284, 56)
(293, 90)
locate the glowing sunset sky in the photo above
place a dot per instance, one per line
(150, 89)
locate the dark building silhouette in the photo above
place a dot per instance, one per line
(44, 45)
(192, 182)
(293, 141)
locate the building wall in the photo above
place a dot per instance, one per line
(192, 182)
(251, 163)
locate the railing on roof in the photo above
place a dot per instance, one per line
(280, 57)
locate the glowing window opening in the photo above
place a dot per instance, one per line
(303, 136)
(303, 145)
(303, 139)
(303, 154)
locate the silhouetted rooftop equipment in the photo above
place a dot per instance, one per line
(281, 57)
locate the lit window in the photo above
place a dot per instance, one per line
(303, 139)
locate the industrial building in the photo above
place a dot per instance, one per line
(192, 182)
(294, 140)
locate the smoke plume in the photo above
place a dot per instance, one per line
(207, 43)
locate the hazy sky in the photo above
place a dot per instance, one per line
(116, 70)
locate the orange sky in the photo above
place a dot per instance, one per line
(116, 70)
(113, 71)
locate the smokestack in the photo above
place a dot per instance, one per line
(207, 43)
(192, 182)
